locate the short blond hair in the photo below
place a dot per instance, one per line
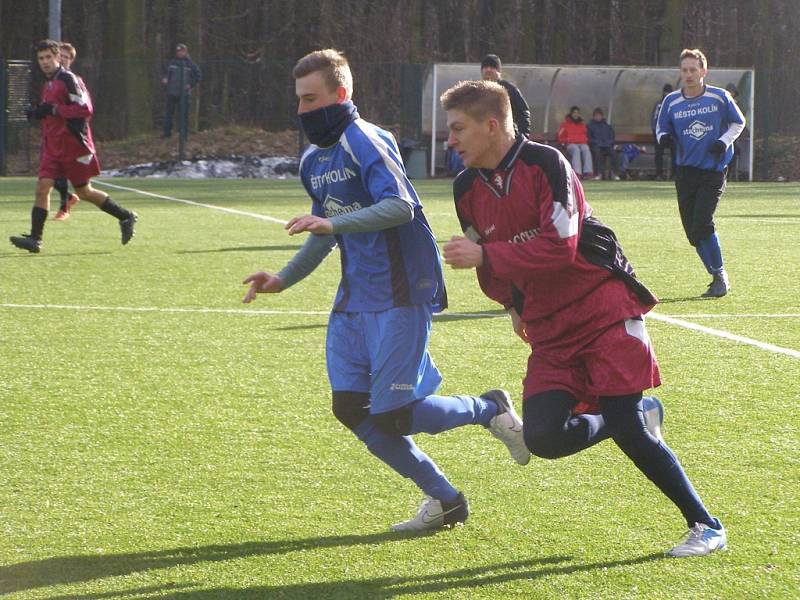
(69, 48)
(480, 100)
(695, 53)
(333, 65)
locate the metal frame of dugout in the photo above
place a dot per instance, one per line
(626, 95)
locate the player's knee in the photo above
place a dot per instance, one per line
(350, 408)
(544, 444)
(395, 422)
(698, 233)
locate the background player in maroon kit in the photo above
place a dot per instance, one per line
(571, 294)
(67, 148)
(67, 54)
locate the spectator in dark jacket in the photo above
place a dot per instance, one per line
(179, 70)
(667, 145)
(601, 143)
(520, 111)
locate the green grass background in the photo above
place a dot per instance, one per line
(192, 455)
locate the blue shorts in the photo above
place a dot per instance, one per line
(384, 353)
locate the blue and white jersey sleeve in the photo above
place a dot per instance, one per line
(663, 122)
(376, 153)
(393, 264)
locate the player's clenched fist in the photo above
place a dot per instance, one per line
(261, 283)
(461, 253)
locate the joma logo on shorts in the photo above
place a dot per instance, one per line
(401, 387)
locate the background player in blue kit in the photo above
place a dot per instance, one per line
(382, 376)
(703, 122)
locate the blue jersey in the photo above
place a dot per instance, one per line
(696, 123)
(399, 266)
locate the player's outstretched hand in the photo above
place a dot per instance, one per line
(261, 283)
(309, 223)
(461, 253)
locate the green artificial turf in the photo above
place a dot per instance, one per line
(162, 440)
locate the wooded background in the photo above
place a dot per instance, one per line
(246, 48)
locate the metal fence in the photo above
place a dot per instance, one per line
(16, 145)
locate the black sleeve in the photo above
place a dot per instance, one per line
(519, 108)
(196, 74)
(461, 185)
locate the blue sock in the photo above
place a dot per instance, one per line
(702, 252)
(435, 414)
(714, 253)
(403, 455)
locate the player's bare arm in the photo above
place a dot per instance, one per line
(310, 223)
(261, 283)
(461, 253)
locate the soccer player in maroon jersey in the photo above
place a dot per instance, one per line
(571, 294)
(67, 148)
(67, 54)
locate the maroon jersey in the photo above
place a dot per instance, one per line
(67, 136)
(528, 214)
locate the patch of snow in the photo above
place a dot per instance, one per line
(229, 167)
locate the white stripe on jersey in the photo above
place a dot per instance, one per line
(308, 151)
(566, 225)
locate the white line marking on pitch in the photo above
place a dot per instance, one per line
(739, 316)
(230, 311)
(232, 211)
(656, 316)
(723, 334)
(239, 311)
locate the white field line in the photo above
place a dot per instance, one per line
(224, 311)
(724, 334)
(782, 221)
(739, 316)
(239, 311)
(656, 316)
(232, 211)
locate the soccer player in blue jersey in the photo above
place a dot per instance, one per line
(382, 376)
(703, 122)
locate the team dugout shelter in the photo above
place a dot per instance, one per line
(626, 95)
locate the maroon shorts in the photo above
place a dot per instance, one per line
(616, 361)
(78, 170)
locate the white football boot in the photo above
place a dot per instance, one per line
(701, 540)
(435, 514)
(506, 426)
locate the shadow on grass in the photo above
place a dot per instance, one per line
(301, 327)
(243, 249)
(770, 216)
(697, 298)
(483, 314)
(88, 567)
(44, 256)
(392, 586)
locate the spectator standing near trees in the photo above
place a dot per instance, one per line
(180, 77)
